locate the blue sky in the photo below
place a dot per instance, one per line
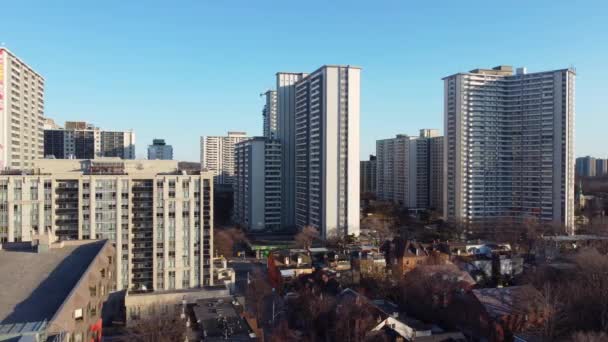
(181, 69)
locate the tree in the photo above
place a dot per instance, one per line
(355, 318)
(589, 337)
(258, 288)
(224, 241)
(379, 227)
(575, 299)
(306, 237)
(157, 328)
(427, 290)
(283, 333)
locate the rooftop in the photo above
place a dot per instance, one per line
(107, 166)
(500, 302)
(218, 317)
(34, 285)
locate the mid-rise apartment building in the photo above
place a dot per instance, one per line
(160, 150)
(326, 147)
(367, 172)
(21, 112)
(409, 170)
(119, 144)
(159, 217)
(509, 145)
(270, 114)
(82, 140)
(217, 155)
(257, 184)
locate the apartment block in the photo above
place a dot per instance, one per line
(392, 167)
(589, 166)
(21, 112)
(286, 111)
(160, 150)
(82, 140)
(326, 123)
(367, 172)
(409, 170)
(601, 167)
(270, 114)
(159, 217)
(257, 185)
(509, 145)
(118, 144)
(217, 155)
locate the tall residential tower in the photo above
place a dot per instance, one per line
(409, 170)
(270, 114)
(326, 130)
(217, 155)
(21, 112)
(509, 145)
(286, 109)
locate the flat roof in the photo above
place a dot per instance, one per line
(34, 285)
(216, 316)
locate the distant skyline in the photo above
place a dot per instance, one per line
(185, 69)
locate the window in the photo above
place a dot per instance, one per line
(78, 314)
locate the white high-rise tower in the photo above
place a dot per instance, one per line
(509, 143)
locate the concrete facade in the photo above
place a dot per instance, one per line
(159, 150)
(217, 155)
(257, 186)
(327, 110)
(591, 167)
(286, 110)
(509, 145)
(82, 140)
(159, 217)
(409, 170)
(21, 112)
(367, 172)
(270, 114)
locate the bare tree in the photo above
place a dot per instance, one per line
(257, 289)
(283, 333)
(427, 290)
(306, 237)
(379, 226)
(157, 328)
(589, 337)
(355, 318)
(224, 240)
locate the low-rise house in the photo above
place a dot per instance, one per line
(222, 274)
(483, 268)
(552, 247)
(495, 314)
(369, 263)
(395, 325)
(477, 248)
(141, 306)
(404, 256)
